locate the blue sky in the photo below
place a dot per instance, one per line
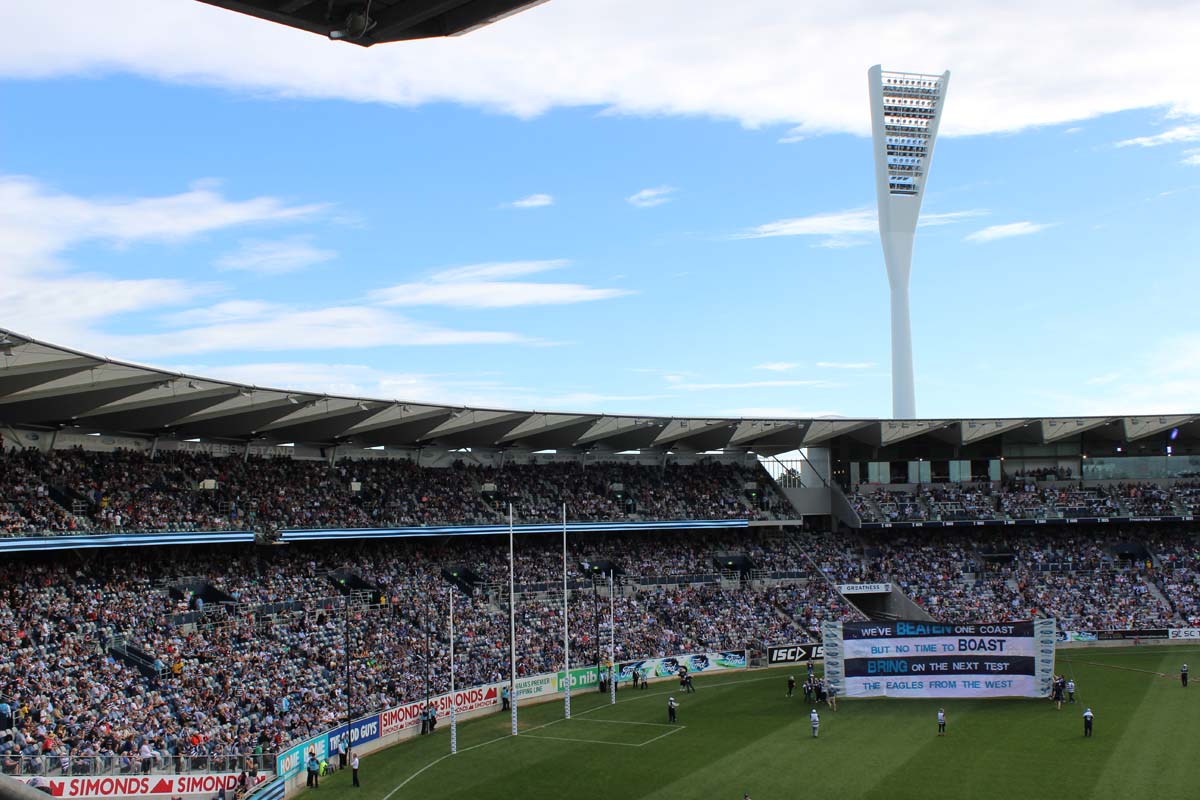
(681, 229)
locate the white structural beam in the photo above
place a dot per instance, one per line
(1141, 427)
(906, 109)
(973, 430)
(892, 431)
(1057, 428)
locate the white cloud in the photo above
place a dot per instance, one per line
(794, 136)
(360, 380)
(275, 328)
(1191, 157)
(1167, 381)
(275, 257)
(497, 270)
(1007, 231)
(708, 387)
(846, 364)
(532, 201)
(648, 198)
(45, 296)
(227, 311)
(1181, 133)
(480, 286)
(1073, 130)
(806, 67)
(38, 223)
(844, 228)
(1101, 380)
(777, 366)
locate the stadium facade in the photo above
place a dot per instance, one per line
(52, 397)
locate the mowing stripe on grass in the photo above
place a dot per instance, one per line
(639, 696)
(437, 761)
(1115, 666)
(587, 741)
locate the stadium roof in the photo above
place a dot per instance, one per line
(367, 23)
(45, 386)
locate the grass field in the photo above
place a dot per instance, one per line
(739, 734)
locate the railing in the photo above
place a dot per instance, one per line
(65, 764)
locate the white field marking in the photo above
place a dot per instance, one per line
(437, 761)
(643, 695)
(663, 735)
(628, 722)
(585, 741)
(640, 696)
(674, 729)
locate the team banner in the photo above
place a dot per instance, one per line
(667, 667)
(909, 658)
(865, 588)
(1184, 633)
(794, 653)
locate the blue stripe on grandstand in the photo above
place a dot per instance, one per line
(979, 523)
(314, 534)
(21, 543)
(274, 790)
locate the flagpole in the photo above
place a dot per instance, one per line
(566, 626)
(512, 625)
(612, 639)
(453, 699)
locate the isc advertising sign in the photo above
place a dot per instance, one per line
(929, 659)
(794, 653)
(143, 785)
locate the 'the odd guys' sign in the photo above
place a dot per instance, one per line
(931, 659)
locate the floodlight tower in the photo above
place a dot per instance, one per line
(905, 111)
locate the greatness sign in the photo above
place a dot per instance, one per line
(933, 659)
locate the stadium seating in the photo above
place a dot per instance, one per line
(76, 491)
(103, 655)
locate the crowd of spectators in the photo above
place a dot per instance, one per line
(219, 681)
(1021, 498)
(217, 657)
(76, 491)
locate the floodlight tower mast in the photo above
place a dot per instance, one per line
(905, 111)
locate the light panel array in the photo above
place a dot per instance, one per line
(911, 102)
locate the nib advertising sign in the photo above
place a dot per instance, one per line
(143, 785)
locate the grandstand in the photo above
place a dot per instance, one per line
(294, 553)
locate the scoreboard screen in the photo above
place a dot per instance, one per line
(913, 658)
